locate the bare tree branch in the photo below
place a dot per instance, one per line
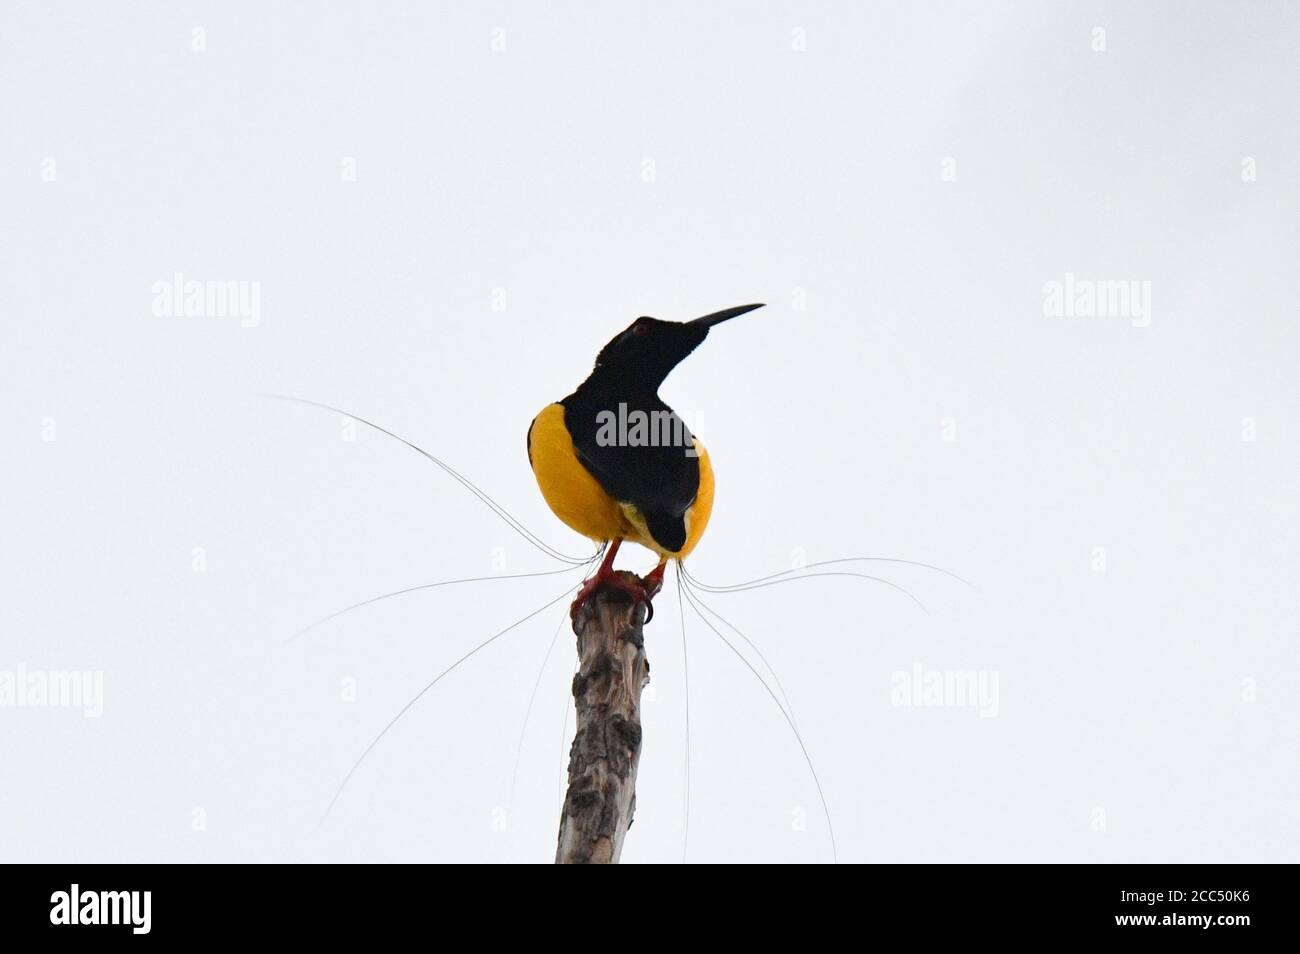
(606, 748)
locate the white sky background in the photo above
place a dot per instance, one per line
(1123, 695)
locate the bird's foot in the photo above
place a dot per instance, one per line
(654, 580)
(605, 577)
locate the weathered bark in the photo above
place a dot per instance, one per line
(606, 747)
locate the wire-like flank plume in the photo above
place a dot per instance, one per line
(691, 598)
(428, 686)
(456, 475)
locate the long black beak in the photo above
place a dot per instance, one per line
(718, 317)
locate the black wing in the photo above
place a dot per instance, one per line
(654, 469)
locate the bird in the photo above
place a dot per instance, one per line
(615, 463)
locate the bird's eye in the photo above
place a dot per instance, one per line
(640, 328)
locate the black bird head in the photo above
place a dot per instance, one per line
(646, 351)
